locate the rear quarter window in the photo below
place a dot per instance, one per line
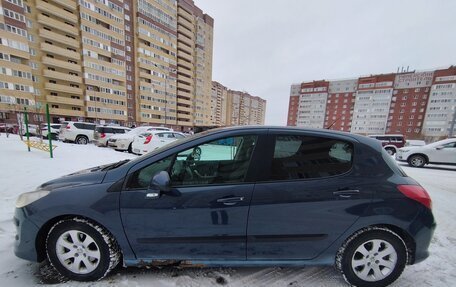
(307, 157)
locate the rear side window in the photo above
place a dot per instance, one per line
(89, 127)
(305, 157)
(79, 125)
(119, 131)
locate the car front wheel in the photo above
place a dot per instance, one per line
(390, 151)
(80, 250)
(372, 257)
(416, 160)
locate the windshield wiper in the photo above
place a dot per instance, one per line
(115, 165)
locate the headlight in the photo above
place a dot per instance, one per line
(29, 197)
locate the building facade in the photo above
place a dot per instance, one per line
(416, 104)
(219, 104)
(127, 62)
(244, 109)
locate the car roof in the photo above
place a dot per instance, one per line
(118, 127)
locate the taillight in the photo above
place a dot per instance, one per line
(417, 193)
(68, 127)
(148, 139)
(102, 135)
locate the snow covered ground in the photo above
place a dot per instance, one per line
(21, 171)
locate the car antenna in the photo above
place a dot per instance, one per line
(329, 127)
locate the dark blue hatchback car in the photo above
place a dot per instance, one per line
(245, 196)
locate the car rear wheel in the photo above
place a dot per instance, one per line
(80, 250)
(372, 257)
(82, 140)
(390, 151)
(416, 160)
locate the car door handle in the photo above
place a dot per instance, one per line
(152, 195)
(230, 200)
(347, 193)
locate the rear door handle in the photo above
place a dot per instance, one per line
(346, 193)
(230, 200)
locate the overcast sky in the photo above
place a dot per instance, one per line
(263, 46)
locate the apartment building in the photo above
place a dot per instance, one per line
(219, 103)
(109, 61)
(418, 104)
(441, 109)
(340, 104)
(311, 105)
(409, 101)
(244, 109)
(16, 77)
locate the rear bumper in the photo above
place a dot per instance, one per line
(26, 232)
(422, 229)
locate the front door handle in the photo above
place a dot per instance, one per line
(152, 195)
(346, 193)
(230, 200)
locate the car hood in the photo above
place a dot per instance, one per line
(411, 148)
(89, 176)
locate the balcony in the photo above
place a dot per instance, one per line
(184, 13)
(63, 88)
(184, 94)
(106, 116)
(185, 64)
(62, 76)
(185, 22)
(185, 72)
(71, 5)
(65, 101)
(184, 102)
(186, 86)
(185, 40)
(59, 38)
(56, 11)
(60, 51)
(51, 22)
(184, 55)
(60, 64)
(66, 112)
(184, 109)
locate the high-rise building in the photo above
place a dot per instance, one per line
(245, 109)
(408, 104)
(440, 118)
(219, 103)
(339, 107)
(415, 104)
(126, 62)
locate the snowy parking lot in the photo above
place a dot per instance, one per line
(21, 171)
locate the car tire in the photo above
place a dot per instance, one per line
(81, 250)
(372, 257)
(390, 151)
(82, 140)
(416, 160)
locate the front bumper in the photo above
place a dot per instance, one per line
(26, 233)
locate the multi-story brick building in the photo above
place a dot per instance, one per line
(408, 104)
(339, 107)
(416, 104)
(127, 62)
(441, 109)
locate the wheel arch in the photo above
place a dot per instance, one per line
(40, 241)
(403, 234)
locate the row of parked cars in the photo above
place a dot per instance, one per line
(138, 140)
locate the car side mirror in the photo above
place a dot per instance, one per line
(161, 181)
(439, 147)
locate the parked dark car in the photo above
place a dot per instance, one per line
(243, 196)
(391, 143)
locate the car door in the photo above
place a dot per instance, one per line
(445, 153)
(307, 198)
(204, 216)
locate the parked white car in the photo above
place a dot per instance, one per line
(55, 130)
(102, 134)
(77, 132)
(151, 140)
(441, 152)
(124, 142)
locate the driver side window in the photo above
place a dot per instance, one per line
(222, 161)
